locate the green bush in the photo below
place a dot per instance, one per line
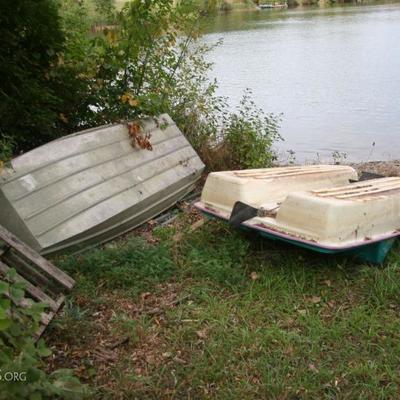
(129, 70)
(148, 62)
(7, 145)
(31, 39)
(244, 138)
(249, 135)
(21, 369)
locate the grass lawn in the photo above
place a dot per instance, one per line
(227, 315)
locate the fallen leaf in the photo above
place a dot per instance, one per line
(288, 350)
(331, 303)
(288, 323)
(144, 295)
(313, 368)
(254, 276)
(63, 118)
(202, 334)
(150, 359)
(133, 102)
(315, 299)
(179, 360)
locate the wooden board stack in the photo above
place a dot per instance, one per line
(43, 281)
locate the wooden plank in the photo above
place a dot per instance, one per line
(48, 317)
(198, 224)
(35, 292)
(28, 270)
(4, 249)
(37, 274)
(61, 277)
(45, 319)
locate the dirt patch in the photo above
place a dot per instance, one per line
(122, 335)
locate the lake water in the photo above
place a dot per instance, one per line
(333, 72)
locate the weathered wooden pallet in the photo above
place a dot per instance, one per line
(44, 282)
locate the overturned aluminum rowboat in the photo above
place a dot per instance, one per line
(316, 207)
(89, 187)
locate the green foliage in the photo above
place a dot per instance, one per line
(243, 138)
(250, 134)
(20, 356)
(339, 157)
(105, 8)
(209, 7)
(7, 144)
(31, 39)
(128, 70)
(151, 62)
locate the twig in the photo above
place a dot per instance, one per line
(157, 311)
(192, 228)
(118, 343)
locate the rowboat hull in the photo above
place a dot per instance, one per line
(90, 187)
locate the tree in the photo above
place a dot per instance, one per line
(31, 39)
